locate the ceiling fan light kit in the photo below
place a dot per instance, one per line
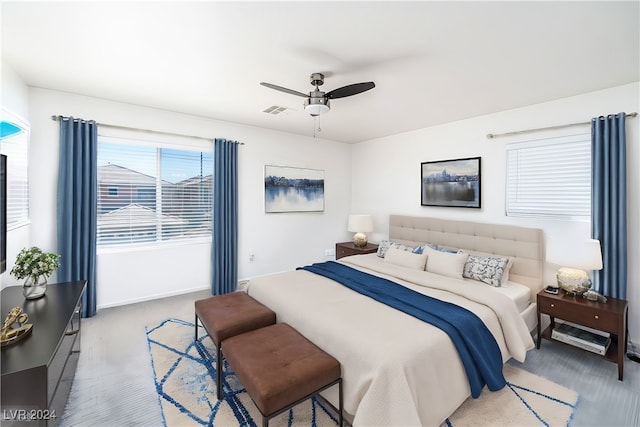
(318, 102)
(316, 106)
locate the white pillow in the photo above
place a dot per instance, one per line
(505, 277)
(406, 259)
(445, 263)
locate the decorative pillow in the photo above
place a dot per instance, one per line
(405, 258)
(445, 263)
(446, 249)
(384, 246)
(420, 249)
(487, 269)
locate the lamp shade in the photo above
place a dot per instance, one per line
(316, 109)
(584, 255)
(360, 223)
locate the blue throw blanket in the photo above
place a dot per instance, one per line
(476, 345)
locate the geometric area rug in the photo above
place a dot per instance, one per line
(526, 400)
(184, 375)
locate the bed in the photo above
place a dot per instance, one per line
(399, 370)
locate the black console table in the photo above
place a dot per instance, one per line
(37, 372)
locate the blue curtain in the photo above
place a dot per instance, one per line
(77, 206)
(609, 202)
(224, 249)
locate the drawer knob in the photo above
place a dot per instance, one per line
(596, 316)
(553, 305)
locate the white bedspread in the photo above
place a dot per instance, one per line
(397, 370)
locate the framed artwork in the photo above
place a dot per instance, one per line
(289, 189)
(452, 183)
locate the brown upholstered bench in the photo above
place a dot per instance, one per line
(224, 316)
(280, 368)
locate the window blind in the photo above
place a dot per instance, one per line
(152, 193)
(16, 148)
(549, 177)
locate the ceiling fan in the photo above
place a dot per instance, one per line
(317, 102)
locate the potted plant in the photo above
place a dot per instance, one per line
(35, 267)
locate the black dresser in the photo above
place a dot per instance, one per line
(37, 372)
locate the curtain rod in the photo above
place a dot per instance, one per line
(517, 132)
(59, 118)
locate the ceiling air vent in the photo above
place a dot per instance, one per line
(275, 110)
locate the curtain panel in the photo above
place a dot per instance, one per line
(609, 202)
(224, 250)
(77, 206)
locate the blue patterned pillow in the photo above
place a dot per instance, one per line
(446, 249)
(487, 269)
(420, 249)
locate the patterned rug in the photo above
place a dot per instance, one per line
(185, 381)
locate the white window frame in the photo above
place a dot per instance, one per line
(549, 178)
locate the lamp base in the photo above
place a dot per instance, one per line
(573, 281)
(360, 240)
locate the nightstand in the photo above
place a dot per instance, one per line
(348, 248)
(608, 317)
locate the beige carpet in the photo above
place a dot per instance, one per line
(185, 382)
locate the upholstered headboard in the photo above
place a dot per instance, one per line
(521, 243)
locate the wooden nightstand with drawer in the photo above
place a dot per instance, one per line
(607, 317)
(348, 248)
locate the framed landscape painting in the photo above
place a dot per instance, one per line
(290, 189)
(452, 183)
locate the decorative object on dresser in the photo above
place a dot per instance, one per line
(360, 225)
(581, 256)
(605, 318)
(11, 334)
(34, 266)
(349, 248)
(37, 372)
(452, 183)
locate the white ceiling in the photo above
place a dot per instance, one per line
(432, 62)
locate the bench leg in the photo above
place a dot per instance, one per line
(265, 420)
(219, 371)
(196, 322)
(340, 403)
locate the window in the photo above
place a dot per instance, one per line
(14, 143)
(150, 193)
(550, 177)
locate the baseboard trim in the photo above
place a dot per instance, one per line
(152, 297)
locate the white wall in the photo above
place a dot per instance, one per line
(15, 99)
(278, 241)
(379, 176)
(390, 182)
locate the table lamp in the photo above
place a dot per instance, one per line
(360, 224)
(580, 256)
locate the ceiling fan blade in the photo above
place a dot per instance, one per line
(284, 89)
(350, 90)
